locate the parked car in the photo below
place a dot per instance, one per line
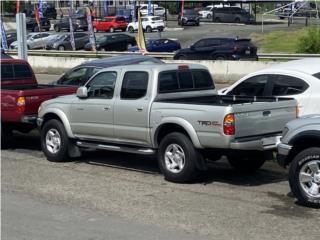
(156, 11)
(299, 79)
(207, 11)
(36, 40)
(11, 37)
(110, 24)
(62, 42)
(232, 14)
(190, 16)
(80, 74)
(300, 148)
(114, 42)
(168, 109)
(21, 97)
(144, 8)
(219, 49)
(32, 24)
(149, 23)
(49, 12)
(77, 23)
(159, 45)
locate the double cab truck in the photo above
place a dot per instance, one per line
(300, 148)
(170, 110)
(21, 97)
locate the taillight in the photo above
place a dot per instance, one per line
(229, 124)
(21, 104)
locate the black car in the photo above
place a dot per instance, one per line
(62, 42)
(79, 75)
(11, 37)
(77, 23)
(190, 16)
(114, 42)
(50, 12)
(219, 49)
(232, 14)
(32, 24)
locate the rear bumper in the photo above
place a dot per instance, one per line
(263, 144)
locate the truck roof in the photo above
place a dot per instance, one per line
(159, 67)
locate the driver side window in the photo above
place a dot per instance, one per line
(102, 85)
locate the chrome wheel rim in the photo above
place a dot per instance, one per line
(53, 141)
(111, 30)
(174, 158)
(309, 178)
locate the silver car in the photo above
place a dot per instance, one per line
(36, 40)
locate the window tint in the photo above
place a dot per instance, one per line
(317, 75)
(75, 77)
(134, 85)
(173, 81)
(6, 72)
(102, 85)
(120, 19)
(253, 86)
(287, 85)
(22, 71)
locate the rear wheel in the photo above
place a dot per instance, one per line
(148, 29)
(219, 57)
(61, 48)
(304, 177)
(57, 28)
(182, 57)
(237, 20)
(6, 137)
(111, 30)
(248, 163)
(217, 19)
(177, 158)
(54, 141)
(209, 16)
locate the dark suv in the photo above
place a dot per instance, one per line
(190, 16)
(232, 14)
(78, 24)
(32, 24)
(219, 49)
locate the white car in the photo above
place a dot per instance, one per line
(158, 11)
(36, 40)
(299, 79)
(149, 23)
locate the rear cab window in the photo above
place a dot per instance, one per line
(184, 80)
(11, 71)
(317, 75)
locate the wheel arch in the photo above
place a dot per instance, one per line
(60, 116)
(170, 125)
(303, 141)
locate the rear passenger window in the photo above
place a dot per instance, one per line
(287, 85)
(6, 72)
(253, 86)
(134, 85)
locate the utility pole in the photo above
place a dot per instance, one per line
(22, 36)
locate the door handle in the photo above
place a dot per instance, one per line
(106, 108)
(139, 109)
(80, 109)
(266, 113)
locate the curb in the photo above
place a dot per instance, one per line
(173, 29)
(218, 23)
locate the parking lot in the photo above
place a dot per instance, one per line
(100, 194)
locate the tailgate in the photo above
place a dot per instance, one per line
(263, 118)
(36, 96)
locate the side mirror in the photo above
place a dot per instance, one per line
(82, 92)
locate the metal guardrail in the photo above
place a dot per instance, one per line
(101, 54)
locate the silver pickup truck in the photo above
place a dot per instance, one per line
(172, 110)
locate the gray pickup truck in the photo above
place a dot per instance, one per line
(300, 147)
(172, 110)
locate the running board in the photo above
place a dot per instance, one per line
(143, 151)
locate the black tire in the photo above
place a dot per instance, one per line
(61, 48)
(237, 20)
(248, 163)
(198, 23)
(57, 28)
(182, 57)
(189, 171)
(55, 126)
(219, 57)
(6, 137)
(131, 29)
(209, 16)
(300, 164)
(148, 29)
(217, 19)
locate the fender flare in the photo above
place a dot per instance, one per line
(182, 123)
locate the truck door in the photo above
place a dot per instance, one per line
(92, 117)
(131, 114)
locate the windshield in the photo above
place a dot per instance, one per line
(317, 75)
(207, 9)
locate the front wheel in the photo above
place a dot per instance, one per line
(61, 48)
(247, 163)
(131, 30)
(304, 177)
(177, 158)
(148, 29)
(54, 141)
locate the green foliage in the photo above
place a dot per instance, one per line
(9, 6)
(310, 42)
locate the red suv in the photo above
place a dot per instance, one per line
(110, 24)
